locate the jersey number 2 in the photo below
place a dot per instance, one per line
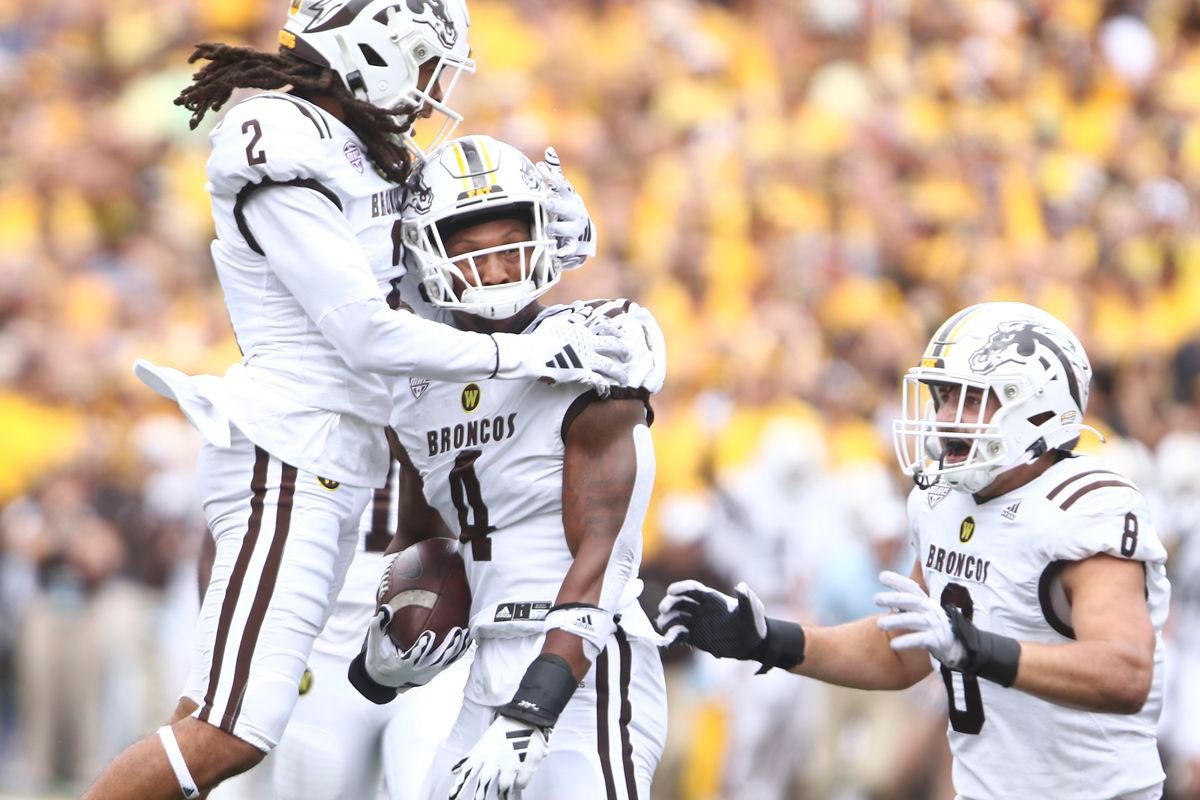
(969, 719)
(253, 158)
(467, 496)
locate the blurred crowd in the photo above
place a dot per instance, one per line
(800, 190)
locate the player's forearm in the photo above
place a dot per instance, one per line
(859, 656)
(370, 337)
(607, 472)
(314, 252)
(1106, 677)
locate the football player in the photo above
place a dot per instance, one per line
(1039, 589)
(547, 486)
(305, 198)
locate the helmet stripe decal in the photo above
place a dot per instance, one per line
(474, 163)
(343, 16)
(946, 340)
(462, 164)
(940, 337)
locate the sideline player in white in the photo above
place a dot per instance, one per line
(305, 199)
(1039, 589)
(548, 486)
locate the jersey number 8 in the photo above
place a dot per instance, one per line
(968, 719)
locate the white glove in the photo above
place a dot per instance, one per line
(639, 333)
(570, 223)
(503, 760)
(929, 625)
(563, 349)
(388, 665)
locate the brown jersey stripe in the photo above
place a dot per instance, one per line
(262, 597)
(1057, 489)
(602, 745)
(1091, 487)
(258, 490)
(626, 715)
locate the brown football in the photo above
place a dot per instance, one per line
(425, 585)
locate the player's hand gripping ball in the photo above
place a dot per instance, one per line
(420, 626)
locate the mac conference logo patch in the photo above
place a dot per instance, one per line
(471, 397)
(966, 530)
(353, 155)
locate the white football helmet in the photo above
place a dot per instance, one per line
(1031, 362)
(377, 47)
(468, 180)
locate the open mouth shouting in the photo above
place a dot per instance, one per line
(955, 451)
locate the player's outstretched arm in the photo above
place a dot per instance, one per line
(607, 476)
(856, 654)
(1110, 666)
(311, 248)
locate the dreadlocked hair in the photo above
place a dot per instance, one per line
(232, 68)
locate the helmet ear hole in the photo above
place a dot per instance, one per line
(373, 58)
(1038, 420)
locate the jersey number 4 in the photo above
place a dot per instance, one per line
(968, 719)
(467, 496)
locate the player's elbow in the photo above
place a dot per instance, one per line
(1131, 698)
(364, 357)
(357, 360)
(1130, 686)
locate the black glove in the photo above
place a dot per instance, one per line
(728, 627)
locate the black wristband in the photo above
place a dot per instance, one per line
(783, 646)
(375, 692)
(989, 655)
(546, 687)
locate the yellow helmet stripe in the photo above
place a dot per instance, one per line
(481, 143)
(950, 340)
(946, 333)
(462, 166)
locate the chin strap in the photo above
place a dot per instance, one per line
(354, 78)
(923, 483)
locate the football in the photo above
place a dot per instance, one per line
(425, 586)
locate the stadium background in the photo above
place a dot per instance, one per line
(799, 189)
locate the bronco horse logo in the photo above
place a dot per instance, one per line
(420, 196)
(435, 14)
(1016, 342)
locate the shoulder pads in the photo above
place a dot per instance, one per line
(269, 137)
(640, 332)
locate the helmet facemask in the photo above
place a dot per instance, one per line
(455, 282)
(466, 183)
(968, 451)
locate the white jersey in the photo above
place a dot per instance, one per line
(1000, 562)
(289, 367)
(302, 265)
(491, 457)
